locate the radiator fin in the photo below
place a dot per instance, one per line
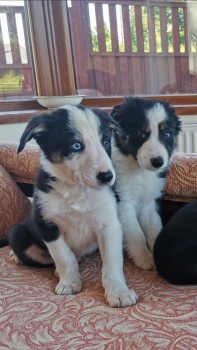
(187, 141)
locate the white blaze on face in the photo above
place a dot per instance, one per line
(86, 165)
(153, 148)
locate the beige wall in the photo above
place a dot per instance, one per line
(11, 132)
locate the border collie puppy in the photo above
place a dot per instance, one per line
(74, 208)
(140, 160)
(175, 249)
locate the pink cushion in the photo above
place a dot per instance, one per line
(14, 204)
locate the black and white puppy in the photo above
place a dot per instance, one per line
(140, 160)
(175, 249)
(74, 209)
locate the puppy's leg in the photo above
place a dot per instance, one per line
(66, 266)
(134, 239)
(150, 222)
(110, 245)
(26, 249)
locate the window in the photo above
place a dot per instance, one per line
(126, 47)
(16, 72)
(107, 49)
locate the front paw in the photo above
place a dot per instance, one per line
(121, 298)
(66, 287)
(144, 260)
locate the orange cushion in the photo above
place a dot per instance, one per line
(14, 204)
(181, 181)
(21, 166)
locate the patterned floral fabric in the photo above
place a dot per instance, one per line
(33, 317)
(181, 182)
(14, 204)
(21, 166)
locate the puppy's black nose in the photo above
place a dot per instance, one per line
(105, 177)
(157, 162)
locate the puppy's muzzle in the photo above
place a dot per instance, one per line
(104, 177)
(157, 162)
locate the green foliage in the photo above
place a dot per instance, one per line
(181, 30)
(107, 38)
(145, 28)
(133, 28)
(10, 82)
(169, 29)
(95, 45)
(157, 26)
(157, 29)
(94, 36)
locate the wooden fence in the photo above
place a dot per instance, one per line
(16, 74)
(119, 47)
(155, 53)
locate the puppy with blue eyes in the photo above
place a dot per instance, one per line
(140, 158)
(74, 209)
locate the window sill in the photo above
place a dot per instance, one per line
(23, 116)
(20, 111)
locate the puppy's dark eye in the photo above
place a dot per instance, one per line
(77, 146)
(141, 134)
(106, 142)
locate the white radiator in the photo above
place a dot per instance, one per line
(188, 138)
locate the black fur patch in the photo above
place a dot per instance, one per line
(175, 249)
(20, 239)
(45, 230)
(105, 131)
(43, 181)
(3, 242)
(162, 174)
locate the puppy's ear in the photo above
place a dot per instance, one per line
(107, 117)
(111, 121)
(117, 118)
(115, 125)
(116, 112)
(36, 127)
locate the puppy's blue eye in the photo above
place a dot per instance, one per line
(77, 146)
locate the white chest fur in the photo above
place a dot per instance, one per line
(137, 189)
(134, 184)
(79, 212)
